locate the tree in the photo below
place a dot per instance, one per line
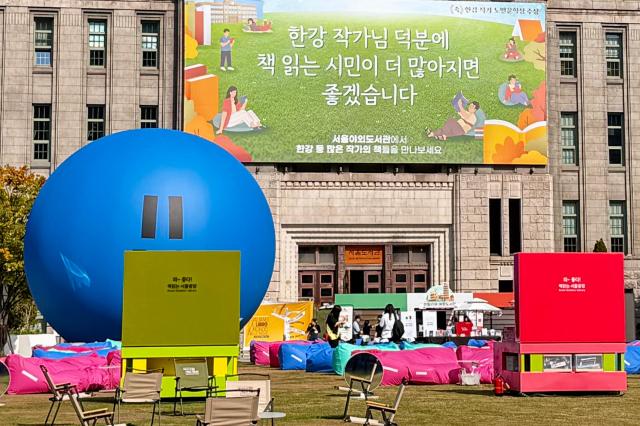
(18, 190)
(600, 247)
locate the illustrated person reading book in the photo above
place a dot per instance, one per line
(235, 113)
(226, 45)
(460, 126)
(513, 94)
(511, 50)
(252, 26)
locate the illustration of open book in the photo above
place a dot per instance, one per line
(505, 143)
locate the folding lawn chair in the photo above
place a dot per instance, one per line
(264, 385)
(388, 412)
(192, 375)
(236, 411)
(140, 387)
(363, 370)
(88, 417)
(59, 392)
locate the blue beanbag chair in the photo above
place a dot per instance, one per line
(293, 356)
(632, 359)
(477, 343)
(451, 345)
(53, 354)
(319, 358)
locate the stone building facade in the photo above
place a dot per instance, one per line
(74, 70)
(418, 225)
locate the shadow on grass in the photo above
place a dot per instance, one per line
(480, 392)
(332, 417)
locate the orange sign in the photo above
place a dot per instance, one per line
(363, 255)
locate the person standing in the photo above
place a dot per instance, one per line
(386, 323)
(226, 43)
(378, 328)
(366, 332)
(356, 328)
(333, 326)
(313, 330)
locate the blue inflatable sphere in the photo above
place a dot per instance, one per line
(146, 189)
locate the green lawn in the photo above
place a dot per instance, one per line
(310, 399)
(295, 112)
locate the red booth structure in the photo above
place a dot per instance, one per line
(570, 324)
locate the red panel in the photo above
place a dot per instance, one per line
(573, 382)
(200, 27)
(569, 297)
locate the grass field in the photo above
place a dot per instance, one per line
(310, 399)
(295, 112)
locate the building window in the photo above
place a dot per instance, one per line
(311, 255)
(515, 226)
(150, 41)
(569, 135)
(148, 117)
(43, 41)
(495, 226)
(410, 254)
(97, 43)
(570, 226)
(568, 54)
(95, 122)
(615, 132)
(617, 222)
(505, 286)
(613, 45)
(41, 132)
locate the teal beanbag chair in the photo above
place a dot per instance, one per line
(344, 350)
(406, 346)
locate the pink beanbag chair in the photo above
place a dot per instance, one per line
(260, 352)
(481, 357)
(432, 366)
(87, 373)
(394, 367)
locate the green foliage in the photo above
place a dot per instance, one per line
(600, 247)
(18, 190)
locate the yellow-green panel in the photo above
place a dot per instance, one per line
(609, 362)
(181, 298)
(522, 362)
(181, 351)
(536, 362)
(621, 366)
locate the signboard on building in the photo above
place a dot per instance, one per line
(326, 81)
(363, 255)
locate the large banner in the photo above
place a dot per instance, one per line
(368, 81)
(279, 321)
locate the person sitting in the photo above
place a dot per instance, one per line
(457, 127)
(511, 50)
(235, 113)
(313, 330)
(251, 24)
(513, 94)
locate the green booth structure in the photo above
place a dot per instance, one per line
(181, 305)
